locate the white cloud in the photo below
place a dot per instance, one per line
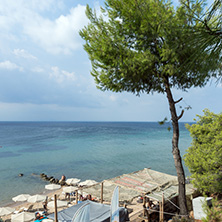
(55, 33)
(60, 35)
(61, 76)
(23, 53)
(37, 69)
(10, 66)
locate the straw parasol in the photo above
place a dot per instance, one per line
(21, 197)
(6, 210)
(52, 186)
(22, 217)
(72, 181)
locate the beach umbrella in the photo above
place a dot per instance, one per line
(88, 183)
(60, 203)
(52, 186)
(36, 198)
(21, 197)
(22, 217)
(72, 181)
(6, 210)
(69, 189)
(48, 220)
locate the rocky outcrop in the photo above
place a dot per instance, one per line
(51, 179)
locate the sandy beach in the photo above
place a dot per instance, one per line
(131, 186)
(135, 208)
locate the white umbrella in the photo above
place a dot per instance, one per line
(21, 197)
(52, 186)
(36, 198)
(6, 210)
(22, 217)
(48, 220)
(60, 203)
(69, 189)
(88, 183)
(72, 181)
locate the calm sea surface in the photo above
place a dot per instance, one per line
(85, 150)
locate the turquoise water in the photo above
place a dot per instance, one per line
(86, 150)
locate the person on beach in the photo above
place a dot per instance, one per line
(89, 197)
(63, 179)
(67, 196)
(44, 204)
(39, 217)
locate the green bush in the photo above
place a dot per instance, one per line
(204, 157)
(214, 213)
(183, 219)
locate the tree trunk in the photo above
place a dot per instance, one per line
(176, 151)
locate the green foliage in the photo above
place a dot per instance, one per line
(214, 213)
(204, 157)
(163, 121)
(137, 46)
(183, 219)
(207, 37)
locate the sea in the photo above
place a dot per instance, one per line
(84, 150)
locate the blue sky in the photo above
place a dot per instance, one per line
(45, 73)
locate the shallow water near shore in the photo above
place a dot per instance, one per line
(85, 150)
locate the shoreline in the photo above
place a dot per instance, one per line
(16, 204)
(131, 186)
(37, 206)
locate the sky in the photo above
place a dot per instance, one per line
(45, 72)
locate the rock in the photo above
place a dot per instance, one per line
(43, 175)
(62, 183)
(52, 180)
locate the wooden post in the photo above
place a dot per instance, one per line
(77, 193)
(144, 205)
(55, 204)
(101, 201)
(163, 207)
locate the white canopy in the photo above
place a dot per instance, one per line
(69, 189)
(21, 197)
(36, 198)
(88, 183)
(22, 217)
(60, 203)
(72, 181)
(6, 210)
(52, 186)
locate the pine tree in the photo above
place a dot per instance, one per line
(139, 46)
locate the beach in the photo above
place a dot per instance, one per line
(135, 207)
(131, 187)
